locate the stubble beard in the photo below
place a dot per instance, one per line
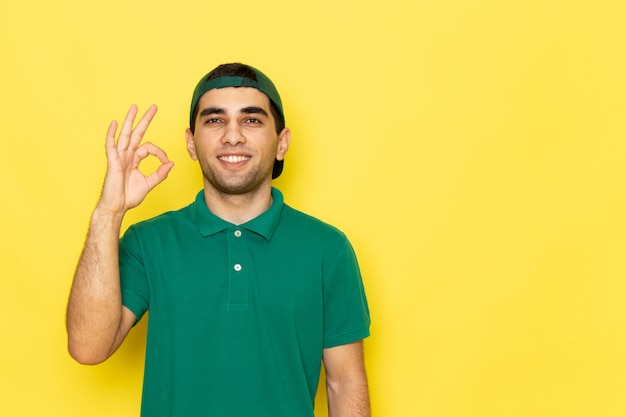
(233, 184)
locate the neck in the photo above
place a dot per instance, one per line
(238, 208)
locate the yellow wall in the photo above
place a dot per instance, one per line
(473, 151)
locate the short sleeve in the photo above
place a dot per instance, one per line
(346, 312)
(133, 277)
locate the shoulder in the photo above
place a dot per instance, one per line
(298, 218)
(170, 220)
(302, 226)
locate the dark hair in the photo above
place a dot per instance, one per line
(240, 70)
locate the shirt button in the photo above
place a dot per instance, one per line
(237, 233)
(237, 267)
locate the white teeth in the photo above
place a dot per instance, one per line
(234, 158)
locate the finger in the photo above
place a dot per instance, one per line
(110, 139)
(148, 149)
(127, 128)
(159, 175)
(109, 144)
(142, 126)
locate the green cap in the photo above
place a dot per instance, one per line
(262, 83)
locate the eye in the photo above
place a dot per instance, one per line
(253, 120)
(211, 120)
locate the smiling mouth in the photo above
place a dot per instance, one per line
(233, 158)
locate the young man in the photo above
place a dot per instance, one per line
(247, 296)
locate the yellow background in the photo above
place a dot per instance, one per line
(471, 150)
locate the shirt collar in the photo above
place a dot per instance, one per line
(264, 224)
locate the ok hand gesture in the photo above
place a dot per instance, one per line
(125, 186)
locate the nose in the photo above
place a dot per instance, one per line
(233, 134)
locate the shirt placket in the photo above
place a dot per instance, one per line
(238, 270)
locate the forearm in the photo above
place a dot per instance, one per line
(94, 310)
(349, 396)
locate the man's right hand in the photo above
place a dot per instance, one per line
(125, 186)
(97, 322)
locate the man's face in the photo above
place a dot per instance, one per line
(235, 140)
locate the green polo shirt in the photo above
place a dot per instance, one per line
(239, 315)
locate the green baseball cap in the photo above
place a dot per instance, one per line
(262, 83)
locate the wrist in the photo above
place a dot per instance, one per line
(103, 214)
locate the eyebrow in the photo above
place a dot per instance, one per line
(254, 110)
(246, 110)
(211, 110)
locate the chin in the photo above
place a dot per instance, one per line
(236, 186)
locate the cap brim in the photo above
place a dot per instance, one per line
(278, 168)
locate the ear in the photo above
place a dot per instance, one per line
(283, 144)
(191, 145)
